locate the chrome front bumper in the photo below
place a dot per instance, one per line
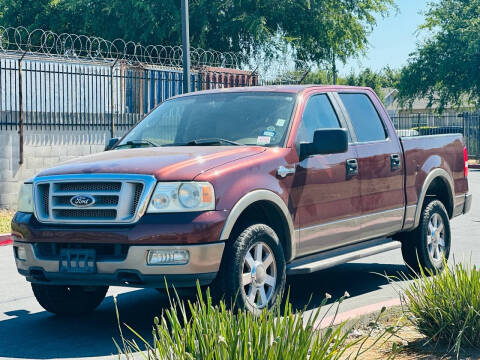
(203, 266)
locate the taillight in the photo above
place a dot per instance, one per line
(465, 161)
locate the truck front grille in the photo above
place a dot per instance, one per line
(111, 198)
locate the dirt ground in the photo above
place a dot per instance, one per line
(409, 343)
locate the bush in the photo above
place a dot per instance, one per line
(446, 307)
(5, 219)
(202, 330)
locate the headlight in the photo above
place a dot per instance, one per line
(25, 198)
(172, 197)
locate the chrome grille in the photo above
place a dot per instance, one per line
(116, 198)
(82, 213)
(93, 186)
(136, 197)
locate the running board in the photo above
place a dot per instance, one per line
(330, 258)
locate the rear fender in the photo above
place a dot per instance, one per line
(432, 175)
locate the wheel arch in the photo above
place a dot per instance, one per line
(262, 203)
(438, 184)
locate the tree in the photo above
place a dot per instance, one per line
(445, 68)
(315, 30)
(385, 78)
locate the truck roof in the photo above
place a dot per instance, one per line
(294, 89)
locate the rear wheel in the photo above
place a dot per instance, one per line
(253, 272)
(430, 243)
(69, 300)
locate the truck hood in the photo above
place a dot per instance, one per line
(165, 163)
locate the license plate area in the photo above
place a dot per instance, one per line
(79, 261)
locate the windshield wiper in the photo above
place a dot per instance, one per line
(137, 143)
(211, 141)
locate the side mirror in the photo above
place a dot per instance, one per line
(111, 143)
(325, 141)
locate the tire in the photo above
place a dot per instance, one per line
(69, 300)
(420, 250)
(252, 275)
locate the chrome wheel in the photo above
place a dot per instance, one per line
(259, 275)
(436, 238)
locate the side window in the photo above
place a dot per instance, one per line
(318, 114)
(364, 117)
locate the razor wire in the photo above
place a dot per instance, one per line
(45, 43)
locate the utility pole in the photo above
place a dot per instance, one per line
(185, 46)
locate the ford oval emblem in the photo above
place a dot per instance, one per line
(81, 201)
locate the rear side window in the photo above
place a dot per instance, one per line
(365, 120)
(318, 114)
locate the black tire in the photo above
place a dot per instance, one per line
(416, 248)
(228, 285)
(69, 300)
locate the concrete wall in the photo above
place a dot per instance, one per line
(42, 149)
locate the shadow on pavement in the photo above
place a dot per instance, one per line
(356, 278)
(44, 336)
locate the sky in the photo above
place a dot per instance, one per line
(393, 39)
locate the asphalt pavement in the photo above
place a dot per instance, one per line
(29, 332)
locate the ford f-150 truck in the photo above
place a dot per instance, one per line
(236, 189)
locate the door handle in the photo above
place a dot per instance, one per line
(283, 171)
(395, 162)
(352, 167)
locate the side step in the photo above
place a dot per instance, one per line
(330, 258)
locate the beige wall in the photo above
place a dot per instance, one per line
(42, 149)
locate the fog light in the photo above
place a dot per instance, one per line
(168, 257)
(21, 253)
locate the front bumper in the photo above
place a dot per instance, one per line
(133, 271)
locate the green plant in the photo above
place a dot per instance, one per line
(446, 307)
(5, 219)
(202, 330)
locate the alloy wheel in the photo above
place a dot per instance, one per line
(436, 238)
(259, 275)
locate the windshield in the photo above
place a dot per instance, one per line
(242, 118)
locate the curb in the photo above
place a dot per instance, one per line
(5, 239)
(355, 313)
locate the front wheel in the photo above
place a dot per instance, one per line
(253, 272)
(429, 246)
(69, 300)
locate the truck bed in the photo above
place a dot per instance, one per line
(422, 154)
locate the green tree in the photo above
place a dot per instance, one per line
(445, 68)
(385, 78)
(316, 30)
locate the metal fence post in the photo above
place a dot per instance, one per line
(112, 121)
(20, 109)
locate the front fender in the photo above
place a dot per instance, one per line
(249, 199)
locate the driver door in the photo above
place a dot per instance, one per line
(328, 200)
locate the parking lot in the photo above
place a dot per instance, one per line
(29, 332)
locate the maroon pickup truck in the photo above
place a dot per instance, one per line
(238, 188)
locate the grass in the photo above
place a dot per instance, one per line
(5, 219)
(446, 307)
(204, 330)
